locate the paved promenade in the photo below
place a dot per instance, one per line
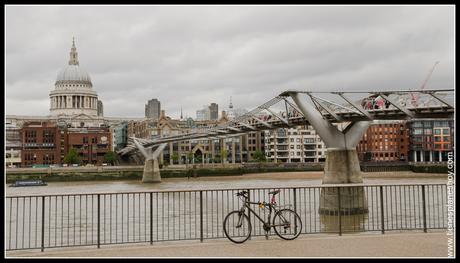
(407, 244)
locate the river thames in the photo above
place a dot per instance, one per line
(271, 180)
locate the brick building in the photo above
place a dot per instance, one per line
(41, 143)
(91, 143)
(385, 142)
(140, 129)
(45, 143)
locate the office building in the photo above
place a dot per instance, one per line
(153, 109)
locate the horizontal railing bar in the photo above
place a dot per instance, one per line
(370, 92)
(228, 189)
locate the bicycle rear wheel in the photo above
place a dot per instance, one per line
(237, 227)
(287, 224)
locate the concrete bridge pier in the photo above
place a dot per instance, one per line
(151, 172)
(341, 165)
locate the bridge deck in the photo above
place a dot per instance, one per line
(386, 105)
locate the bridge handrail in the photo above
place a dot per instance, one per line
(229, 189)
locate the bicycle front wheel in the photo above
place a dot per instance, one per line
(237, 227)
(287, 224)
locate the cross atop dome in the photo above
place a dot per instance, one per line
(73, 54)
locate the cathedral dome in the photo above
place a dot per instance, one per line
(73, 93)
(73, 73)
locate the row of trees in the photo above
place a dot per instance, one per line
(72, 157)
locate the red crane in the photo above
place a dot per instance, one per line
(415, 96)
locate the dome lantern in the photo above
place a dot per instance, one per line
(73, 54)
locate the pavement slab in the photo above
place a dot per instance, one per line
(404, 244)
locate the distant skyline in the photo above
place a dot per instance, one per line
(188, 56)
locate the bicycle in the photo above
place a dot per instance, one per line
(286, 222)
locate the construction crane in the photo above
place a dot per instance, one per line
(415, 96)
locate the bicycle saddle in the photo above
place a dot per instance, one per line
(274, 192)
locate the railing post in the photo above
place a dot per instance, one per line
(382, 216)
(151, 218)
(424, 208)
(295, 201)
(249, 214)
(340, 211)
(98, 220)
(201, 216)
(43, 224)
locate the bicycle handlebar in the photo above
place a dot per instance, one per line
(271, 192)
(242, 193)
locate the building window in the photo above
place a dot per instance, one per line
(445, 131)
(418, 131)
(437, 131)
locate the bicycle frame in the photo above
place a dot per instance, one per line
(270, 206)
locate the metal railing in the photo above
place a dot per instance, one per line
(49, 221)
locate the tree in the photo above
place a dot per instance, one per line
(216, 159)
(110, 157)
(72, 157)
(190, 157)
(224, 155)
(259, 156)
(175, 157)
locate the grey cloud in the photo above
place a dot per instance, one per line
(191, 56)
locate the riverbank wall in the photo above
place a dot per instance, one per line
(59, 174)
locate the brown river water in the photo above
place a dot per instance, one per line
(269, 180)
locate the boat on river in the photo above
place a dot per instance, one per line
(20, 183)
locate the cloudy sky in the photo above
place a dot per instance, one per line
(191, 56)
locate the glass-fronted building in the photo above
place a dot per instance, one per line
(430, 140)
